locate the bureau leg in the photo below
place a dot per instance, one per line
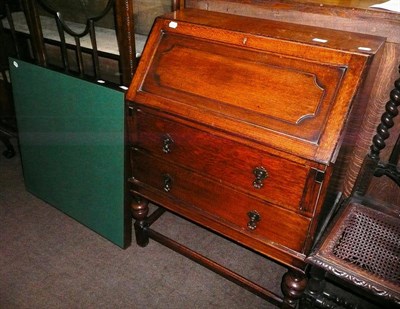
(140, 210)
(293, 286)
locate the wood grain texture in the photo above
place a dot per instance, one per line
(350, 17)
(327, 78)
(208, 154)
(339, 17)
(217, 97)
(221, 202)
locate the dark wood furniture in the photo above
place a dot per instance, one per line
(362, 244)
(9, 47)
(235, 124)
(354, 16)
(86, 62)
(72, 56)
(52, 26)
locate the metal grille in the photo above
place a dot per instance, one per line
(371, 244)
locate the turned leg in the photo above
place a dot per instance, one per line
(313, 294)
(317, 295)
(316, 284)
(140, 210)
(293, 286)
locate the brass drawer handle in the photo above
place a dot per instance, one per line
(167, 142)
(254, 218)
(167, 181)
(260, 173)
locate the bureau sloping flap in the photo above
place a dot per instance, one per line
(71, 135)
(286, 86)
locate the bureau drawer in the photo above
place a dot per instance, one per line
(223, 204)
(223, 160)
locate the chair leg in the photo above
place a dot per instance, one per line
(317, 296)
(314, 294)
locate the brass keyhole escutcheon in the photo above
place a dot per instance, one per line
(261, 173)
(167, 143)
(254, 218)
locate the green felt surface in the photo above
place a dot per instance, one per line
(71, 135)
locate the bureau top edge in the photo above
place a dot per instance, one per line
(311, 35)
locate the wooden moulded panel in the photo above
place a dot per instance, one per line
(288, 92)
(279, 93)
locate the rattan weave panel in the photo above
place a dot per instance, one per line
(366, 236)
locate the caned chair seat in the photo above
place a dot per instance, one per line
(361, 245)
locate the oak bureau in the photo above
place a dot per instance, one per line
(235, 123)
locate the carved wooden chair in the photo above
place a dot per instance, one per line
(73, 53)
(84, 61)
(9, 47)
(362, 243)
